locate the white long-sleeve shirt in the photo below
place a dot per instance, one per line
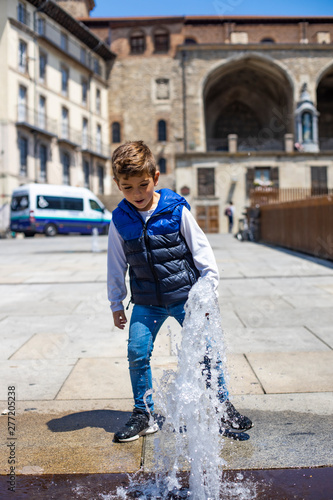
(195, 238)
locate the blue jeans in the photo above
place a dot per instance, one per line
(145, 323)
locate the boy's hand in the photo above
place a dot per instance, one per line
(119, 319)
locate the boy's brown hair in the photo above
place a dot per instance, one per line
(133, 158)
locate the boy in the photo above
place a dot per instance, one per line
(154, 233)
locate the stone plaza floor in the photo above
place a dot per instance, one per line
(67, 361)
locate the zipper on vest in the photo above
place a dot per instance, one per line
(146, 238)
(129, 303)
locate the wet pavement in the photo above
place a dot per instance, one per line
(282, 484)
(67, 363)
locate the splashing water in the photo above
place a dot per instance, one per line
(189, 401)
(190, 438)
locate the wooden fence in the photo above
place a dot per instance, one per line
(305, 225)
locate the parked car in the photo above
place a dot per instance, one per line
(51, 209)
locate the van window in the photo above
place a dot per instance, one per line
(95, 206)
(73, 204)
(49, 202)
(59, 203)
(20, 202)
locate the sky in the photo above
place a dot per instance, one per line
(129, 8)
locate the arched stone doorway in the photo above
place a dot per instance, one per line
(252, 98)
(325, 108)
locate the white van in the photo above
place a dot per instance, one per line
(50, 209)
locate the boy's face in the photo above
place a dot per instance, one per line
(139, 190)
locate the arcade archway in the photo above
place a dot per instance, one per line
(252, 98)
(325, 108)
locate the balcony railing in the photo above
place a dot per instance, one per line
(69, 135)
(217, 144)
(36, 121)
(246, 144)
(95, 147)
(54, 35)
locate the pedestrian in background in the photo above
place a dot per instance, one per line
(229, 212)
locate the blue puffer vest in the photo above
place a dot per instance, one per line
(161, 266)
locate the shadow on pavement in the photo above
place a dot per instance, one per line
(109, 420)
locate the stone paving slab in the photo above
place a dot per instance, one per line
(325, 333)
(317, 300)
(293, 372)
(12, 343)
(38, 307)
(71, 441)
(90, 322)
(283, 436)
(72, 345)
(294, 317)
(277, 441)
(257, 340)
(34, 379)
(242, 380)
(99, 378)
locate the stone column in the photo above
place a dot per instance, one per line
(289, 143)
(232, 143)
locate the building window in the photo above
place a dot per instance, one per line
(319, 180)
(161, 40)
(22, 57)
(162, 89)
(64, 123)
(23, 147)
(22, 14)
(100, 174)
(98, 101)
(41, 26)
(85, 133)
(116, 137)
(66, 169)
(161, 130)
(190, 41)
(239, 37)
(22, 104)
(83, 56)
(99, 139)
(86, 174)
(267, 40)
(42, 66)
(206, 181)
(64, 41)
(162, 165)
(261, 177)
(43, 162)
(96, 66)
(42, 112)
(84, 84)
(64, 80)
(137, 42)
(323, 37)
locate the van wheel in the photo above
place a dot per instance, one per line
(50, 230)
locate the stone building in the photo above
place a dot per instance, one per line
(54, 93)
(225, 102)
